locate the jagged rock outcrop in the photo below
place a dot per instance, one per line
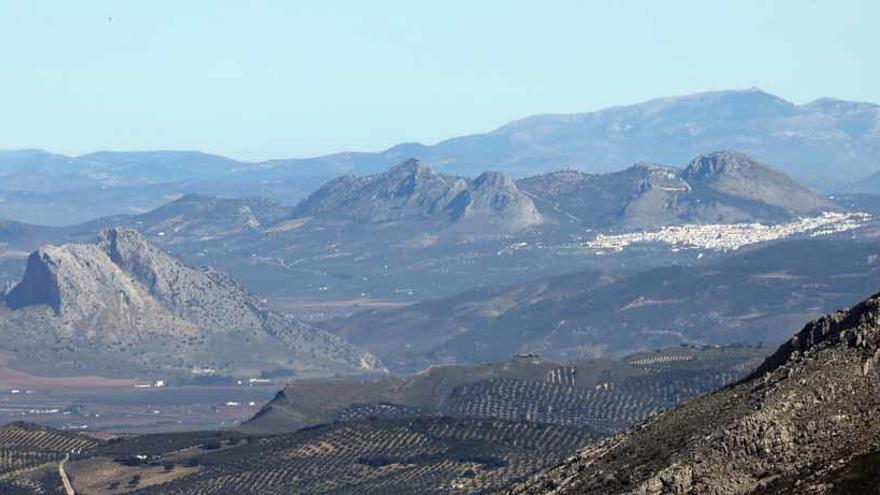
(412, 191)
(132, 303)
(808, 414)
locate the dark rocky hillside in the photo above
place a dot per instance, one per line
(756, 295)
(804, 422)
(125, 307)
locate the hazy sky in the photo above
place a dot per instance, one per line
(295, 78)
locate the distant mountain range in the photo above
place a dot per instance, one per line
(826, 143)
(413, 230)
(123, 307)
(720, 187)
(804, 422)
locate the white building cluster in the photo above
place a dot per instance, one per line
(733, 236)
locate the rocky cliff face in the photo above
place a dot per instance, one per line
(123, 296)
(806, 415)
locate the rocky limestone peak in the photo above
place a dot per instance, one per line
(857, 327)
(707, 166)
(495, 180)
(737, 175)
(89, 292)
(413, 192)
(495, 198)
(134, 254)
(120, 277)
(412, 167)
(652, 176)
(414, 180)
(122, 244)
(122, 291)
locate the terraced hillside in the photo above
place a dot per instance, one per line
(30, 454)
(425, 455)
(416, 455)
(450, 429)
(32, 437)
(605, 395)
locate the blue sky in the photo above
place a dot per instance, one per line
(268, 79)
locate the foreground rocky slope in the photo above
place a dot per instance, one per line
(123, 306)
(805, 422)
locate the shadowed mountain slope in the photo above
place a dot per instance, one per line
(756, 295)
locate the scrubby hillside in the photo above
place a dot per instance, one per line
(804, 422)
